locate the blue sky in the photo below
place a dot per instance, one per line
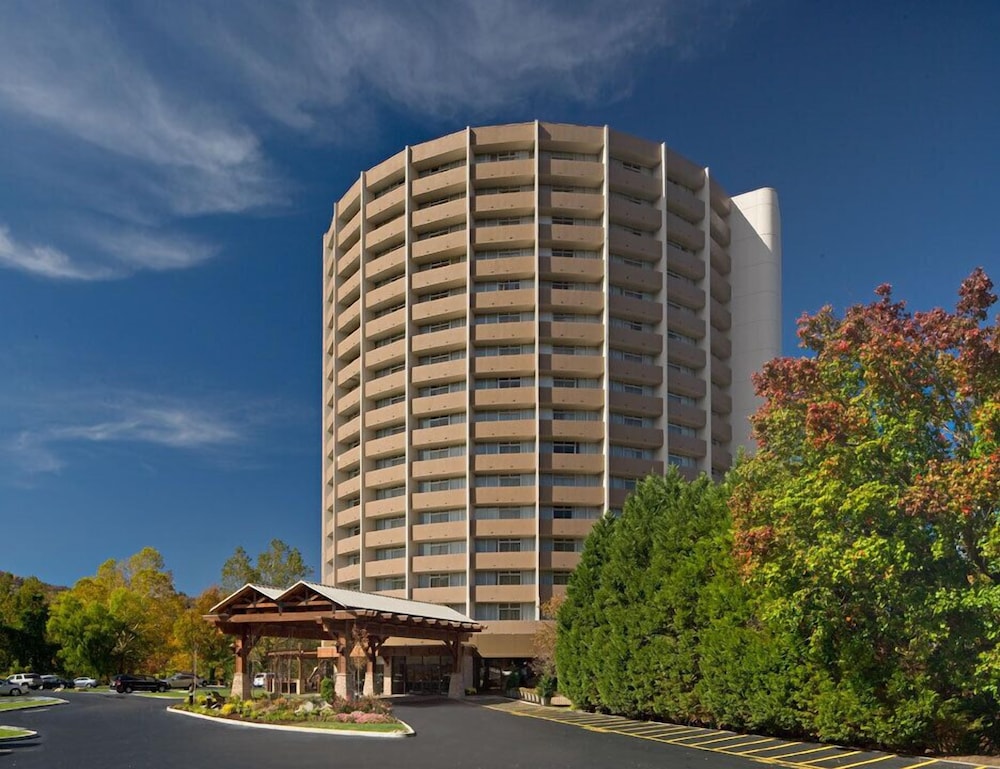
(167, 172)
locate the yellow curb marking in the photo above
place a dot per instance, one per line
(862, 763)
(717, 739)
(735, 749)
(803, 752)
(828, 758)
(780, 745)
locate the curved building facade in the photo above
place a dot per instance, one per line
(520, 322)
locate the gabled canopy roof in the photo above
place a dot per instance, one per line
(306, 608)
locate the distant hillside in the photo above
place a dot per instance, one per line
(13, 582)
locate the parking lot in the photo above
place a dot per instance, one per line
(101, 728)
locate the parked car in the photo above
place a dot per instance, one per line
(260, 679)
(9, 689)
(84, 682)
(26, 680)
(124, 683)
(183, 681)
(54, 682)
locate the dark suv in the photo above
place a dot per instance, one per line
(126, 684)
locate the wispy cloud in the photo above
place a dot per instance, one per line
(47, 430)
(442, 59)
(45, 261)
(175, 111)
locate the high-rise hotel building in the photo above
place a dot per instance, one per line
(520, 322)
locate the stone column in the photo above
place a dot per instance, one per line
(369, 687)
(340, 682)
(242, 682)
(387, 677)
(456, 681)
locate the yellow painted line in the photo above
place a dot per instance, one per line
(870, 761)
(773, 747)
(804, 752)
(736, 749)
(670, 731)
(717, 739)
(828, 758)
(601, 721)
(673, 735)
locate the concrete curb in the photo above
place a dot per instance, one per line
(33, 703)
(409, 732)
(19, 738)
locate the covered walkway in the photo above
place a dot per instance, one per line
(344, 620)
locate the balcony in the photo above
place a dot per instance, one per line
(516, 527)
(441, 246)
(643, 217)
(505, 463)
(643, 342)
(644, 247)
(565, 333)
(516, 299)
(587, 366)
(630, 308)
(524, 560)
(506, 267)
(685, 354)
(502, 495)
(509, 172)
(649, 406)
(445, 308)
(564, 430)
(349, 233)
(386, 325)
(588, 398)
(582, 173)
(685, 233)
(444, 183)
(631, 183)
(386, 235)
(386, 206)
(438, 373)
(571, 268)
(506, 204)
(440, 278)
(689, 416)
(438, 216)
(506, 398)
(508, 593)
(684, 203)
(504, 333)
(348, 262)
(377, 418)
(439, 532)
(685, 322)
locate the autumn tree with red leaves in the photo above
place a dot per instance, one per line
(867, 523)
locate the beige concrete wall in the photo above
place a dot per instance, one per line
(611, 237)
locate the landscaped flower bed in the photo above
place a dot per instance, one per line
(367, 714)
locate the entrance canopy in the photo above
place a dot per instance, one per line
(311, 610)
(347, 618)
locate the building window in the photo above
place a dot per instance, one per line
(389, 553)
(390, 583)
(455, 547)
(447, 579)
(390, 492)
(441, 484)
(383, 524)
(442, 516)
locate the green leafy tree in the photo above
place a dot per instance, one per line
(867, 523)
(579, 621)
(119, 620)
(192, 634)
(278, 566)
(24, 612)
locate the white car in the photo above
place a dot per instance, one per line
(84, 682)
(26, 681)
(260, 678)
(13, 690)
